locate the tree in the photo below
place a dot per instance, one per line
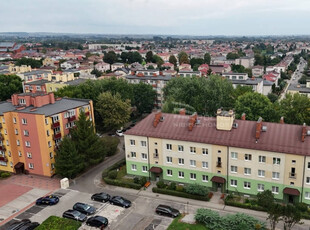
(173, 60)
(68, 162)
(232, 56)
(88, 144)
(113, 110)
(196, 62)
(158, 60)
(98, 73)
(272, 97)
(274, 211)
(144, 97)
(291, 216)
(9, 84)
(207, 58)
(183, 58)
(29, 61)
(240, 90)
(149, 56)
(110, 57)
(295, 109)
(256, 105)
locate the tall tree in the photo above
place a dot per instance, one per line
(68, 162)
(149, 56)
(291, 216)
(232, 56)
(173, 60)
(113, 110)
(274, 214)
(9, 84)
(29, 61)
(183, 58)
(158, 60)
(110, 57)
(144, 97)
(196, 62)
(207, 58)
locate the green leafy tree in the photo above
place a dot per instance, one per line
(232, 56)
(68, 162)
(98, 73)
(149, 56)
(272, 97)
(295, 109)
(183, 58)
(256, 105)
(110, 57)
(87, 143)
(113, 110)
(207, 58)
(196, 62)
(240, 90)
(9, 84)
(196, 189)
(173, 60)
(211, 219)
(265, 198)
(274, 211)
(291, 216)
(144, 97)
(29, 61)
(158, 60)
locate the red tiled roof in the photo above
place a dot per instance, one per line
(282, 138)
(156, 169)
(291, 191)
(218, 179)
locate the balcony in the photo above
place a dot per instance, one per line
(1, 137)
(219, 164)
(57, 136)
(72, 118)
(155, 155)
(292, 175)
(4, 159)
(87, 113)
(2, 148)
(55, 125)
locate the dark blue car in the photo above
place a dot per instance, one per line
(48, 200)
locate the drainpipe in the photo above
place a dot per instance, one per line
(303, 179)
(227, 169)
(148, 157)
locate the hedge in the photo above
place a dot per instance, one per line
(59, 223)
(5, 174)
(115, 166)
(122, 183)
(179, 194)
(246, 206)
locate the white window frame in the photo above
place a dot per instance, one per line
(261, 173)
(194, 163)
(133, 154)
(26, 133)
(180, 148)
(247, 157)
(51, 155)
(273, 175)
(192, 176)
(181, 161)
(144, 156)
(17, 142)
(169, 172)
(55, 118)
(29, 155)
(181, 174)
(144, 168)
(247, 171)
(31, 166)
(133, 167)
(260, 187)
(307, 195)
(261, 159)
(143, 143)
(276, 160)
(235, 169)
(205, 151)
(234, 155)
(169, 147)
(19, 153)
(24, 121)
(14, 120)
(204, 164)
(27, 144)
(205, 178)
(246, 185)
(275, 189)
(233, 183)
(192, 150)
(132, 142)
(169, 160)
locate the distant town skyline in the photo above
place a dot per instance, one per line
(174, 17)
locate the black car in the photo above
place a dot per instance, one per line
(30, 226)
(74, 215)
(167, 211)
(48, 200)
(97, 221)
(84, 208)
(120, 201)
(17, 225)
(102, 197)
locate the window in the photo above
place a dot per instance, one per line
(260, 187)
(219, 151)
(233, 183)
(169, 172)
(46, 121)
(247, 185)
(26, 133)
(134, 167)
(192, 149)
(276, 161)
(49, 144)
(169, 146)
(205, 178)
(308, 180)
(275, 189)
(143, 143)
(17, 142)
(233, 169)
(192, 176)
(262, 159)
(169, 160)
(7, 142)
(144, 156)
(24, 121)
(247, 171)
(180, 148)
(66, 115)
(307, 195)
(16, 131)
(55, 118)
(204, 164)
(51, 155)
(31, 166)
(14, 120)
(192, 163)
(22, 101)
(48, 133)
(133, 154)
(57, 130)
(276, 175)
(309, 165)
(19, 153)
(181, 174)
(52, 165)
(132, 142)
(144, 168)
(29, 155)
(293, 162)
(248, 157)
(204, 151)
(261, 173)
(181, 161)
(5, 132)
(234, 155)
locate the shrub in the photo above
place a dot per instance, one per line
(115, 166)
(124, 184)
(55, 222)
(112, 174)
(265, 198)
(196, 189)
(302, 207)
(209, 218)
(136, 180)
(172, 186)
(142, 181)
(5, 174)
(179, 194)
(179, 188)
(161, 184)
(110, 145)
(231, 202)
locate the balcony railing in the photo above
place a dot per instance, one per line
(72, 118)
(219, 164)
(87, 113)
(2, 148)
(155, 155)
(55, 125)
(3, 158)
(57, 136)
(293, 175)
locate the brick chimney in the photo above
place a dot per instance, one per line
(192, 121)
(303, 132)
(157, 118)
(258, 128)
(243, 117)
(182, 111)
(282, 120)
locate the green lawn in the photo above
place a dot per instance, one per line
(177, 225)
(59, 223)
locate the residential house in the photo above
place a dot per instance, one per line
(117, 65)
(247, 62)
(102, 66)
(257, 71)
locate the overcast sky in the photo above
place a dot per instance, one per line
(179, 17)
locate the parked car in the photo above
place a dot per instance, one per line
(17, 225)
(74, 215)
(48, 200)
(97, 221)
(30, 226)
(120, 201)
(102, 197)
(119, 133)
(167, 211)
(84, 208)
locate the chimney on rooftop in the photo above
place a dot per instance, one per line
(182, 111)
(258, 128)
(282, 120)
(243, 117)
(303, 132)
(157, 118)
(192, 121)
